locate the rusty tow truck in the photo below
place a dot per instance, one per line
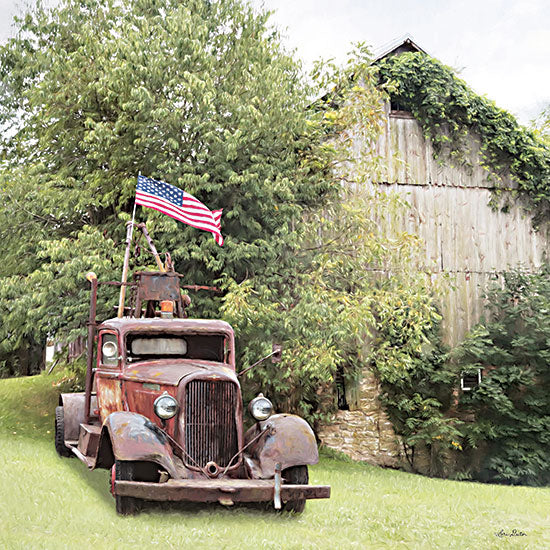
(163, 411)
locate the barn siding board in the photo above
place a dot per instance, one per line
(415, 163)
(450, 210)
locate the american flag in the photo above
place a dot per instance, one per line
(178, 204)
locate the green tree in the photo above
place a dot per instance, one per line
(199, 93)
(511, 406)
(354, 301)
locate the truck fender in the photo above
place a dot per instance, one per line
(288, 440)
(129, 436)
(73, 411)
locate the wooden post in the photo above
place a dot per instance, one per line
(152, 247)
(92, 277)
(129, 231)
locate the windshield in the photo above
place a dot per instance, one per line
(158, 346)
(209, 347)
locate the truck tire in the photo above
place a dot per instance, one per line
(124, 471)
(295, 475)
(60, 447)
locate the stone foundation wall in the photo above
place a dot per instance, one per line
(366, 433)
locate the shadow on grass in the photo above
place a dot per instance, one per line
(264, 510)
(99, 482)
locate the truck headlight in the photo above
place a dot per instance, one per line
(260, 407)
(109, 350)
(165, 406)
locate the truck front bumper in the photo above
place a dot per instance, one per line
(225, 491)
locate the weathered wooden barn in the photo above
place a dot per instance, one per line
(467, 243)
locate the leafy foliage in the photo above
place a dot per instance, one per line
(511, 406)
(316, 301)
(197, 93)
(449, 111)
(328, 309)
(338, 310)
(417, 381)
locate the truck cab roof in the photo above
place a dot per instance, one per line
(184, 326)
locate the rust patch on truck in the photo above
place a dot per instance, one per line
(109, 396)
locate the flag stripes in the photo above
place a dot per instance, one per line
(178, 204)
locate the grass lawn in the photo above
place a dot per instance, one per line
(49, 502)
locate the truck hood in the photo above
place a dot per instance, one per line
(171, 371)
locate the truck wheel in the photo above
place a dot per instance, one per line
(296, 475)
(124, 471)
(60, 447)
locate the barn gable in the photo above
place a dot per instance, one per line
(396, 47)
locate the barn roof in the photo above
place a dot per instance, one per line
(397, 46)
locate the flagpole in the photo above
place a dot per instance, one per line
(129, 234)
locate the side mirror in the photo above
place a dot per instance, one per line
(277, 353)
(275, 358)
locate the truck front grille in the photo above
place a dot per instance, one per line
(210, 424)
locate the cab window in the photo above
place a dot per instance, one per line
(141, 347)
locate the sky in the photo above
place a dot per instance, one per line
(501, 48)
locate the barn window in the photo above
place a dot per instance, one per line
(397, 110)
(341, 389)
(396, 106)
(469, 380)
